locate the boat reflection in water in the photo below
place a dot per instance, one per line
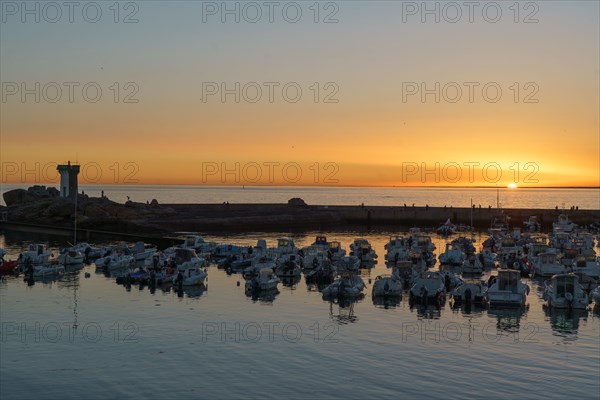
(386, 301)
(290, 282)
(263, 296)
(508, 319)
(565, 322)
(193, 292)
(468, 308)
(345, 310)
(427, 310)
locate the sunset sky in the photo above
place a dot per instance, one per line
(368, 126)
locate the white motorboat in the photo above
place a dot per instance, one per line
(472, 266)
(406, 273)
(225, 250)
(347, 284)
(266, 280)
(141, 252)
(285, 245)
(70, 257)
(428, 286)
(115, 260)
(347, 263)
(314, 257)
(586, 264)
(335, 251)
(288, 266)
(362, 249)
(546, 264)
(89, 251)
(190, 276)
(198, 243)
(387, 285)
(453, 255)
(565, 291)
(397, 249)
(563, 224)
(532, 224)
(507, 289)
(488, 258)
(185, 258)
(470, 292)
(36, 254)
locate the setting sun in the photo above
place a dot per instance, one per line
(512, 185)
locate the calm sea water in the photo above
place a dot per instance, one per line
(456, 197)
(80, 337)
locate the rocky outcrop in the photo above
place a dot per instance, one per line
(296, 202)
(44, 206)
(34, 193)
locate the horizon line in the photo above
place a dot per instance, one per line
(308, 185)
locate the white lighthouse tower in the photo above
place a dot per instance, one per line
(68, 179)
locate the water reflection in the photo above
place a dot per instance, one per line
(193, 292)
(386, 302)
(290, 282)
(341, 310)
(426, 310)
(565, 323)
(262, 296)
(508, 319)
(468, 309)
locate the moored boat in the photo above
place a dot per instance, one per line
(506, 289)
(565, 291)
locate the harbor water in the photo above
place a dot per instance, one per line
(84, 336)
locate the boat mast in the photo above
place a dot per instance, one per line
(75, 225)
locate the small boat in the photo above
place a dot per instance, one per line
(397, 249)
(70, 257)
(190, 276)
(362, 249)
(285, 245)
(387, 286)
(36, 253)
(472, 266)
(7, 266)
(469, 292)
(446, 229)
(546, 264)
(565, 291)
(142, 252)
(185, 258)
(586, 264)
(257, 265)
(322, 274)
(314, 257)
(429, 286)
(347, 284)
(347, 263)
(89, 251)
(335, 251)
(488, 258)
(563, 224)
(507, 289)
(288, 267)
(198, 243)
(265, 281)
(532, 224)
(406, 273)
(453, 255)
(114, 261)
